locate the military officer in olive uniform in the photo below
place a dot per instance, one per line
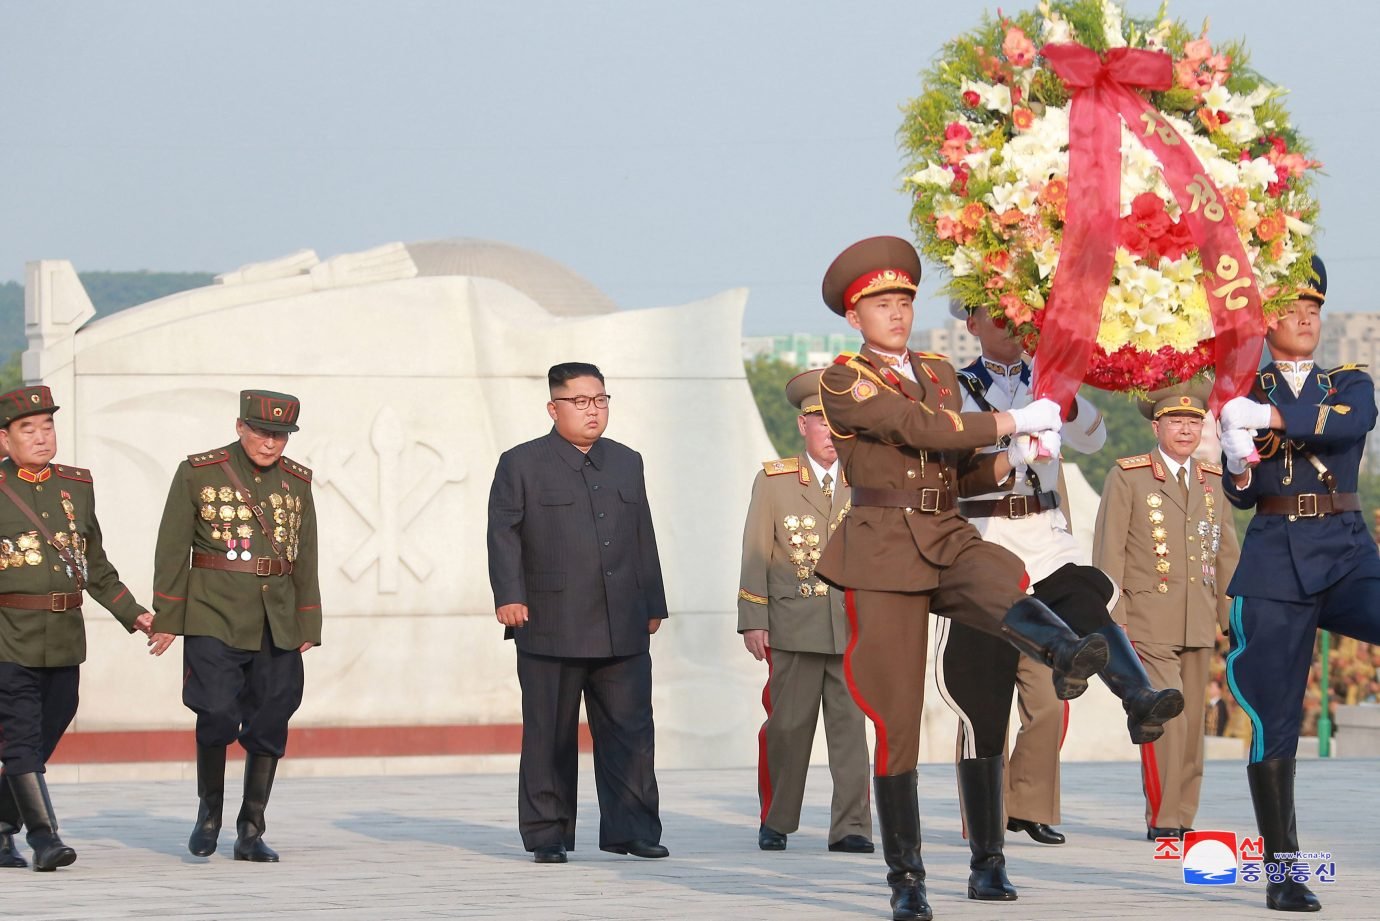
(50, 553)
(790, 618)
(1165, 535)
(235, 573)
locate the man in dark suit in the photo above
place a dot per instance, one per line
(576, 580)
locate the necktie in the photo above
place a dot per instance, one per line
(1183, 486)
(828, 484)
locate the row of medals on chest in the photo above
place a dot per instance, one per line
(234, 508)
(26, 549)
(1209, 539)
(804, 553)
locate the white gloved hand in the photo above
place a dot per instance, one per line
(1237, 445)
(1244, 413)
(1020, 452)
(1042, 415)
(1050, 443)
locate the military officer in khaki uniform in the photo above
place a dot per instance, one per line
(50, 552)
(790, 618)
(904, 551)
(235, 573)
(1166, 536)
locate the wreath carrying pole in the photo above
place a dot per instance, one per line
(1102, 96)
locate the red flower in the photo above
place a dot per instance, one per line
(1150, 233)
(971, 98)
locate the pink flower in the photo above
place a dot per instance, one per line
(946, 227)
(998, 261)
(1019, 49)
(1198, 50)
(956, 131)
(1016, 310)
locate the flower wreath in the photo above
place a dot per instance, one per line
(1180, 207)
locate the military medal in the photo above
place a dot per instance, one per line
(275, 500)
(226, 494)
(797, 540)
(279, 516)
(231, 554)
(208, 513)
(280, 534)
(821, 588)
(244, 531)
(215, 531)
(812, 540)
(792, 522)
(808, 522)
(243, 513)
(33, 557)
(1153, 500)
(245, 554)
(227, 513)
(208, 494)
(1157, 517)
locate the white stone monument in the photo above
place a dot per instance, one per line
(417, 365)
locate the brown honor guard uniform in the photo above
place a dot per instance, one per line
(50, 552)
(793, 512)
(904, 551)
(235, 573)
(1172, 548)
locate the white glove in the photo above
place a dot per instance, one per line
(1237, 445)
(1042, 415)
(1050, 443)
(1244, 413)
(1021, 452)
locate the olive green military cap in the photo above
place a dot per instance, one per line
(26, 401)
(802, 392)
(270, 410)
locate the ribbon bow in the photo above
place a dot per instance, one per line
(1104, 94)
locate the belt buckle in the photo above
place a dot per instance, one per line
(55, 599)
(1301, 504)
(1011, 503)
(263, 566)
(929, 492)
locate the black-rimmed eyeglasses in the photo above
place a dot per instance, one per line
(582, 403)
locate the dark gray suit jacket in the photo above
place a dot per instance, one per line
(570, 536)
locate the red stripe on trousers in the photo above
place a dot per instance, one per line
(1150, 776)
(879, 759)
(764, 790)
(1064, 733)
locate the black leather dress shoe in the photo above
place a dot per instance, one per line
(1041, 832)
(1152, 833)
(769, 839)
(637, 848)
(549, 853)
(852, 844)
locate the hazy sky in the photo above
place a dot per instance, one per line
(664, 150)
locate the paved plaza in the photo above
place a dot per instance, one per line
(399, 847)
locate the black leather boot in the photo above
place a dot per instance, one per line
(249, 827)
(36, 812)
(898, 815)
(10, 823)
(980, 791)
(1038, 632)
(1272, 792)
(1147, 710)
(210, 791)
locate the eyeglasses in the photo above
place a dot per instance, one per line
(582, 403)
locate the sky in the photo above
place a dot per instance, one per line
(664, 150)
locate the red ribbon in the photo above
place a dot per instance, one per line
(1103, 96)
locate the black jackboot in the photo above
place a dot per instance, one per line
(10, 823)
(249, 827)
(1272, 792)
(1038, 632)
(210, 790)
(36, 812)
(1147, 710)
(898, 815)
(980, 790)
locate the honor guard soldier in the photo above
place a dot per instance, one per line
(235, 573)
(904, 551)
(1032, 522)
(50, 553)
(1165, 535)
(789, 617)
(1308, 561)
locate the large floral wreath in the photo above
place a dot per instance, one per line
(1199, 232)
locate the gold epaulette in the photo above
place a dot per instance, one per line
(72, 473)
(1131, 463)
(1349, 366)
(845, 357)
(296, 469)
(784, 465)
(1210, 467)
(932, 356)
(218, 456)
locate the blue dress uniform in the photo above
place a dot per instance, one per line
(1308, 562)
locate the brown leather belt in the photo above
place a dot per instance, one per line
(932, 500)
(57, 602)
(259, 566)
(1013, 506)
(1309, 505)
